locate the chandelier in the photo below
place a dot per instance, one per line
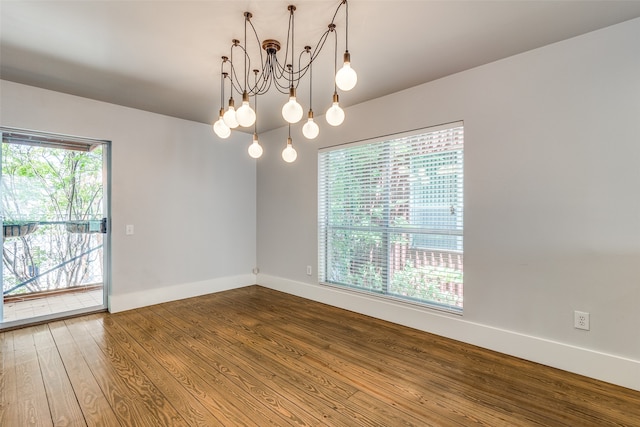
(283, 76)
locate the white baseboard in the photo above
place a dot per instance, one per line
(605, 367)
(129, 301)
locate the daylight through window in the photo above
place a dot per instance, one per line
(390, 216)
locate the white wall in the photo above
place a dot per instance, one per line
(190, 196)
(552, 206)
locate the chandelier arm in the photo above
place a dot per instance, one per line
(270, 76)
(335, 61)
(237, 88)
(313, 54)
(286, 50)
(316, 51)
(276, 80)
(222, 77)
(320, 45)
(247, 66)
(265, 74)
(282, 88)
(275, 69)
(279, 86)
(263, 87)
(337, 10)
(278, 77)
(255, 90)
(346, 27)
(233, 73)
(301, 72)
(255, 105)
(266, 86)
(280, 69)
(310, 66)
(293, 45)
(244, 49)
(234, 80)
(255, 33)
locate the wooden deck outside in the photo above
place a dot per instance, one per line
(28, 306)
(257, 357)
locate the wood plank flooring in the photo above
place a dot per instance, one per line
(257, 357)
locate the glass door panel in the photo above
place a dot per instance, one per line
(54, 220)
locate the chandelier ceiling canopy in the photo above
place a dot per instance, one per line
(282, 69)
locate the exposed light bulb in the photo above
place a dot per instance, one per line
(220, 128)
(292, 111)
(335, 114)
(310, 129)
(346, 77)
(255, 150)
(245, 115)
(289, 154)
(230, 116)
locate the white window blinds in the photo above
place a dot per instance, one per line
(391, 216)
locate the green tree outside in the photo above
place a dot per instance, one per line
(60, 191)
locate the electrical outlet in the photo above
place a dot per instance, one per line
(309, 270)
(581, 320)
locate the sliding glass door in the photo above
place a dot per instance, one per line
(55, 220)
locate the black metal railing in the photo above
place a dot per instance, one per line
(67, 251)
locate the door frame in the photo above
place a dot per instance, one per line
(106, 273)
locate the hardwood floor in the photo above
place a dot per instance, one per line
(257, 357)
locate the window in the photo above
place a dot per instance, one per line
(390, 216)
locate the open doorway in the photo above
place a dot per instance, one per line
(55, 217)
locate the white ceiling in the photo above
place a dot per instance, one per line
(164, 56)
